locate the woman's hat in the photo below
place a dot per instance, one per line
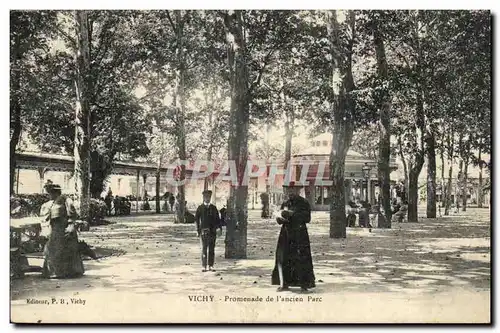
(49, 186)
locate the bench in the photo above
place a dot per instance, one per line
(19, 256)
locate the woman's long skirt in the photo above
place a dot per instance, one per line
(61, 255)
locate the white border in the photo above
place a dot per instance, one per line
(193, 4)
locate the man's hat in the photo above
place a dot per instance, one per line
(207, 192)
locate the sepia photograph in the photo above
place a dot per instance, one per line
(320, 166)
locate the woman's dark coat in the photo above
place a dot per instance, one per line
(294, 249)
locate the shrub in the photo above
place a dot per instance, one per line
(122, 205)
(145, 206)
(97, 210)
(24, 205)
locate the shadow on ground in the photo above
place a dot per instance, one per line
(161, 256)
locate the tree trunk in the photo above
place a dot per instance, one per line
(15, 109)
(100, 169)
(458, 183)
(289, 122)
(210, 145)
(268, 168)
(180, 95)
(236, 230)
(431, 175)
(403, 161)
(82, 116)
(420, 131)
(209, 159)
(414, 173)
(157, 189)
(450, 145)
(480, 182)
(340, 146)
(465, 158)
(384, 153)
(464, 185)
(288, 144)
(342, 114)
(413, 195)
(443, 187)
(448, 190)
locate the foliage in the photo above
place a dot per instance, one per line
(118, 122)
(365, 141)
(97, 211)
(25, 205)
(439, 67)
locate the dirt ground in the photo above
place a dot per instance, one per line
(432, 271)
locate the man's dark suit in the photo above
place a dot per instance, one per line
(207, 221)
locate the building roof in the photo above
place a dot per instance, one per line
(324, 150)
(322, 145)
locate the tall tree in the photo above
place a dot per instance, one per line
(82, 115)
(236, 234)
(30, 33)
(341, 33)
(383, 99)
(117, 120)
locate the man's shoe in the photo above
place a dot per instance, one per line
(204, 269)
(211, 269)
(285, 288)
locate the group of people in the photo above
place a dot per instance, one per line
(364, 212)
(293, 262)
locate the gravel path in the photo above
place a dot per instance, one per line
(432, 271)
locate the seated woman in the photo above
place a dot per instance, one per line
(351, 209)
(364, 215)
(395, 206)
(223, 214)
(400, 216)
(61, 253)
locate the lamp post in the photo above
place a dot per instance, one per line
(366, 175)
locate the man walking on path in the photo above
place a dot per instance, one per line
(207, 221)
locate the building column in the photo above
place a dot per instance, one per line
(41, 174)
(137, 191)
(17, 180)
(214, 192)
(369, 191)
(371, 188)
(309, 193)
(348, 190)
(144, 178)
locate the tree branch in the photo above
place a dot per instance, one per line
(67, 36)
(171, 22)
(400, 55)
(261, 71)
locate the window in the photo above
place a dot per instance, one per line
(314, 144)
(325, 143)
(318, 143)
